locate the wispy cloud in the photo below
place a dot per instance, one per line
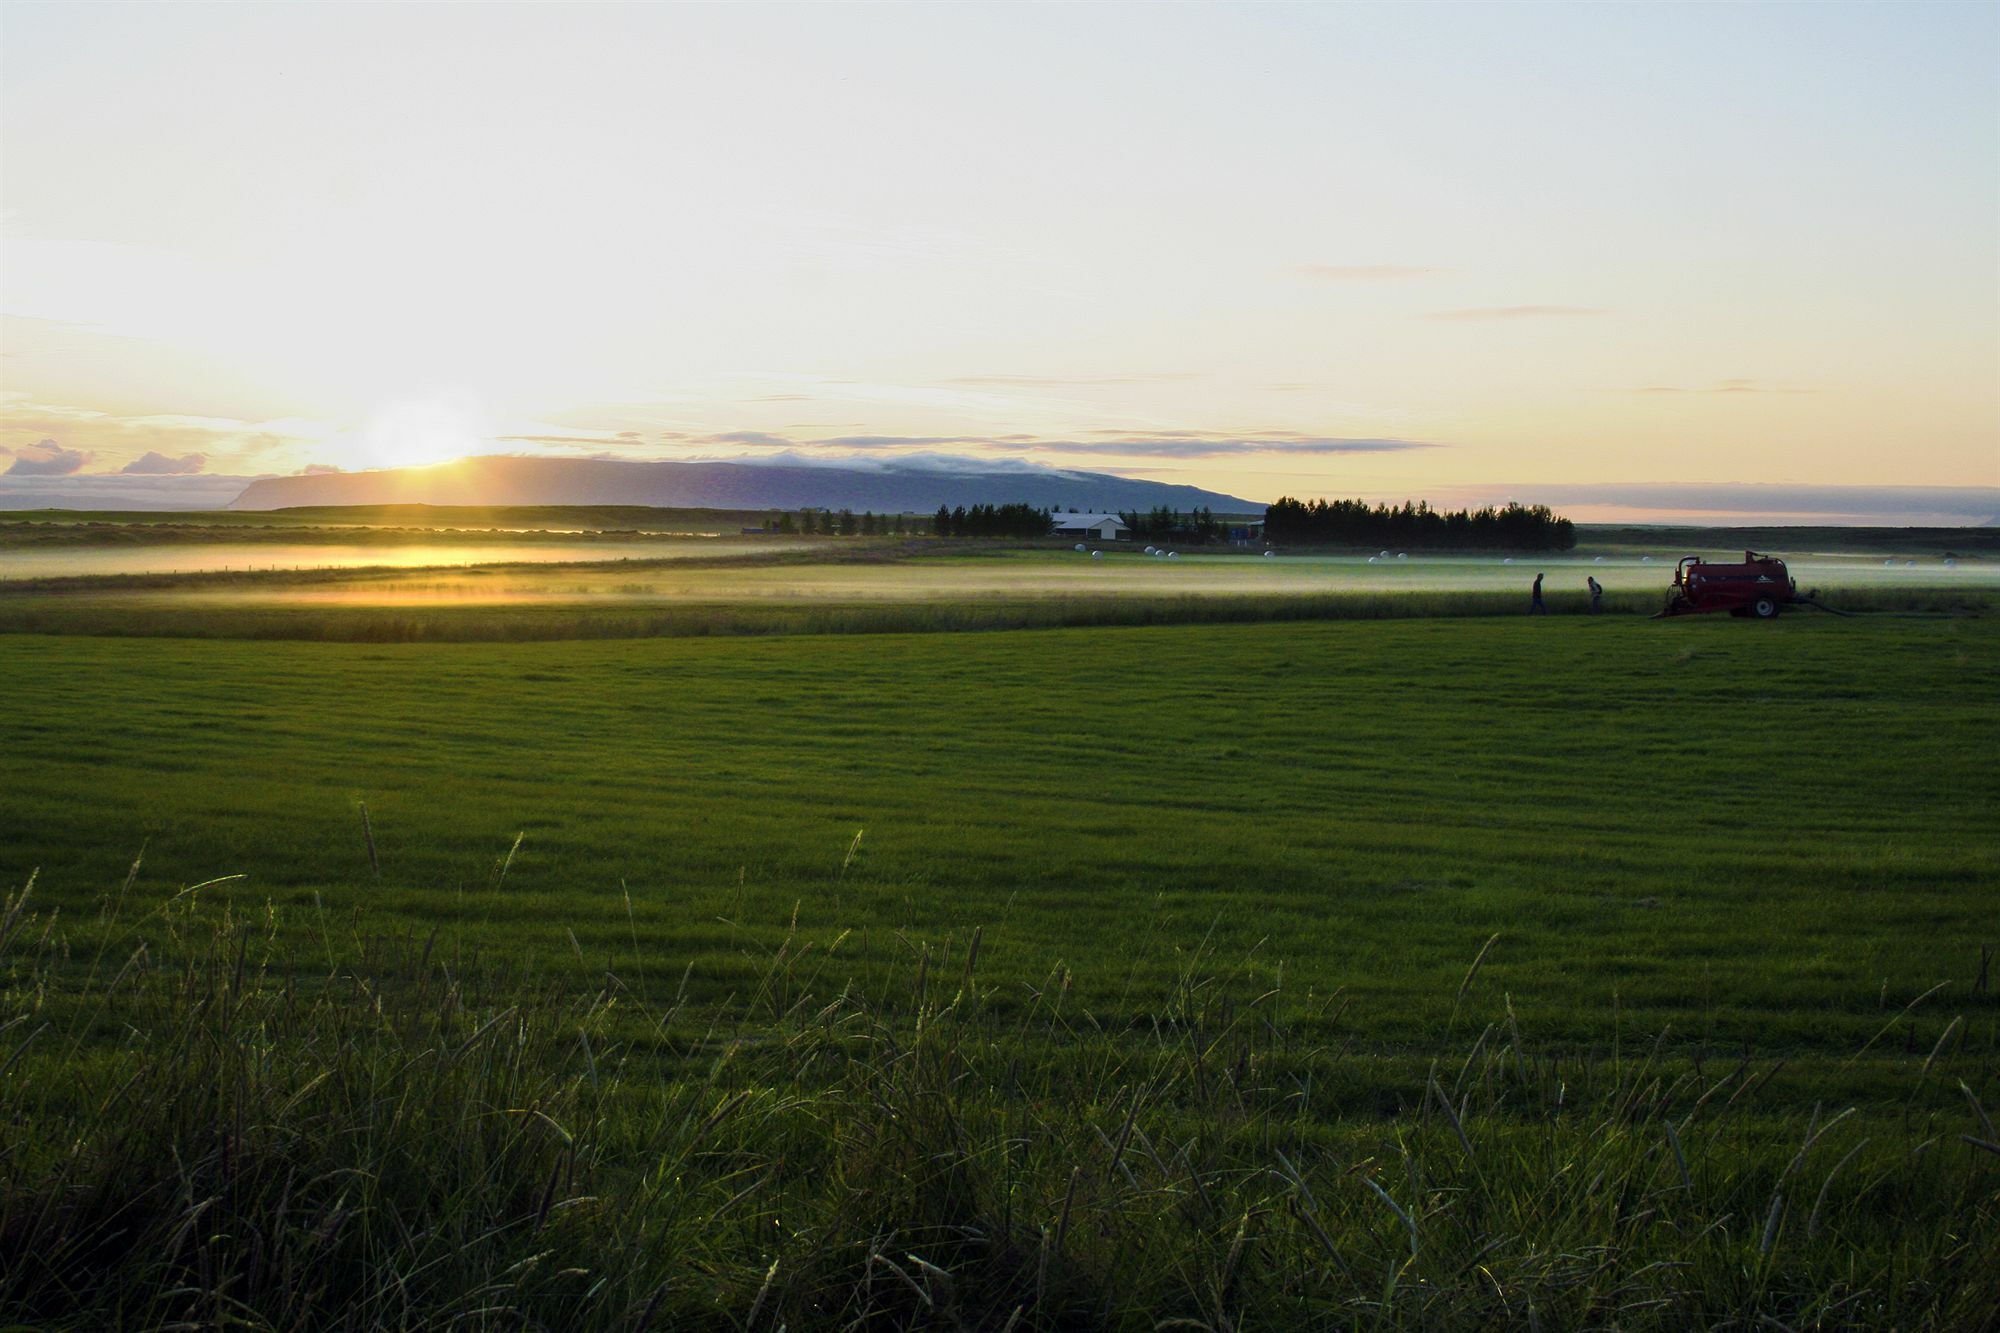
(1737, 386)
(1362, 272)
(753, 437)
(47, 459)
(1070, 381)
(1519, 312)
(585, 441)
(1154, 444)
(153, 463)
(1950, 506)
(113, 436)
(1205, 448)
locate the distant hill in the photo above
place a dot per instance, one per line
(719, 485)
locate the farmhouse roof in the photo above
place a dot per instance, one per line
(1086, 520)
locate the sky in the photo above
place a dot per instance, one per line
(1410, 250)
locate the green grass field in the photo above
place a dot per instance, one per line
(1419, 972)
(1718, 823)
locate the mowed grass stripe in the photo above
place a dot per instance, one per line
(1753, 833)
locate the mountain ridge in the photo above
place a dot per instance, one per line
(518, 480)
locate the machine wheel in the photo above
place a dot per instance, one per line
(1765, 608)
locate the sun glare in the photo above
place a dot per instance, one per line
(417, 433)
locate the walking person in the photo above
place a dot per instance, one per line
(1538, 607)
(1596, 593)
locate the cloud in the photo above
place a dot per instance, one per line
(1752, 386)
(156, 464)
(1071, 381)
(899, 441)
(1155, 447)
(47, 459)
(762, 439)
(277, 441)
(567, 441)
(1519, 312)
(1362, 272)
(1738, 386)
(116, 490)
(915, 462)
(1684, 502)
(1154, 444)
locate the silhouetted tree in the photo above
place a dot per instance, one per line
(1516, 527)
(985, 520)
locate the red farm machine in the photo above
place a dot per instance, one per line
(1759, 588)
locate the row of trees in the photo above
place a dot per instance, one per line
(1015, 520)
(1012, 520)
(1194, 528)
(845, 523)
(1516, 527)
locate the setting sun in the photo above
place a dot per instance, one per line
(413, 433)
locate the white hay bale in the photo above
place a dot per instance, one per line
(1172, 554)
(1097, 555)
(1079, 546)
(1373, 558)
(1273, 555)
(1508, 561)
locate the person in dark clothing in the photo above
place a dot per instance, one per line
(1596, 592)
(1538, 607)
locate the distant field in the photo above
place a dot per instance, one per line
(758, 586)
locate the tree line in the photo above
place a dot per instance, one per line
(842, 523)
(1196, 527)
(1014, 520)
(980, 520)
(1516, 527)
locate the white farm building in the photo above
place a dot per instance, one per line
(1101, 527)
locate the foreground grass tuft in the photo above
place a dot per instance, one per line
(210, 1124)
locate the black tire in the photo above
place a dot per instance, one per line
(1765, 608)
